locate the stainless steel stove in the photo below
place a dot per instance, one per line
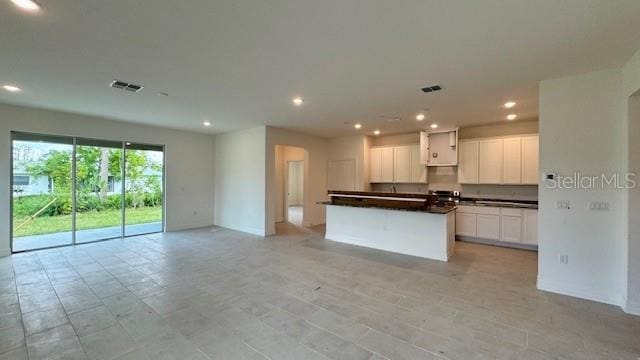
(446, 197)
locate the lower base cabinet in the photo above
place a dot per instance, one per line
(508, 225)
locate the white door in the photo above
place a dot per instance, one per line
(468, 162)
(465, 224)
(488, 226)
(402, 164)
(530, 159)
(530, 227)
(295, 183)
(512, 160)
(375, 165)
(342, 175)
(490, 161)
(418, 170)
(387, 165)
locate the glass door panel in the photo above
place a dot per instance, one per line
(41, 185)
(98, 190)
(144, 189)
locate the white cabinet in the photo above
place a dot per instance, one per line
(386, 173)
(508, 225)
(490, 161)
(511, 225)
(466, 224)
(530, 227)
(397, 164)
(530, 159)
(488, 226)
(401, 164)
(468, 162)
(512, 160)
(418, 170)
(375, 165)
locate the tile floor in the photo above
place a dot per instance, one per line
(221, 294)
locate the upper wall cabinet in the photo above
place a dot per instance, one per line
(490, 163)
(439, 147)
(511, 160)
(397, 164)
(530, 159)
(468, 162)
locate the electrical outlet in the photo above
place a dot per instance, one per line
(598, 205)
(564, 259)
(563, 204)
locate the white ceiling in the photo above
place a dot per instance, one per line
(238, 63)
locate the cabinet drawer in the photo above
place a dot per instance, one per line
(510, 212)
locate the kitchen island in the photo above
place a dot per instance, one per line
(411, 224)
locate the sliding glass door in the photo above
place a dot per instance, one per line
(68, 190)
(98, 190)
(41, 187)
(144, 190)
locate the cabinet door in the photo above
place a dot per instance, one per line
(488, 227)
(490, 161)
(530, 227)
(512, 160)
(375, 165)
(387, 165)
(465, 224)
(511, 228)
(402, 164)
(418, 170)
(530, 159)
(468, 162)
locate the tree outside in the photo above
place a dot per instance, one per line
(98, 189)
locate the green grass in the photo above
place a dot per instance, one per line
(86, 220)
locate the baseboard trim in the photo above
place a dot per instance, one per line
(5, 252)
(578, 291)
(496, 243)
(631, 307)
(181, 227)
(248, 230)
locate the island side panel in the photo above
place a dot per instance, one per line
(414, 233)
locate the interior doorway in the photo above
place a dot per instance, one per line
(295, 191)
(291, 167)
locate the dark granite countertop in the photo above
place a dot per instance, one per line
(432, 210)
(519, 204)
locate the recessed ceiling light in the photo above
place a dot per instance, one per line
(509, 104)
(357, 126)
(11, 88)
(512, 116)
(297, 101)
(434, 126)
(376, 132)
(206, 123)
(420, 117)
(28, 5)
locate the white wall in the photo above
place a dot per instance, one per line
(239, 180)
(315, 175)
(189, 160)
(582, 130)
(631, 91)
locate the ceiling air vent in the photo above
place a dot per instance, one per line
(431, 88)
(126, 86)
